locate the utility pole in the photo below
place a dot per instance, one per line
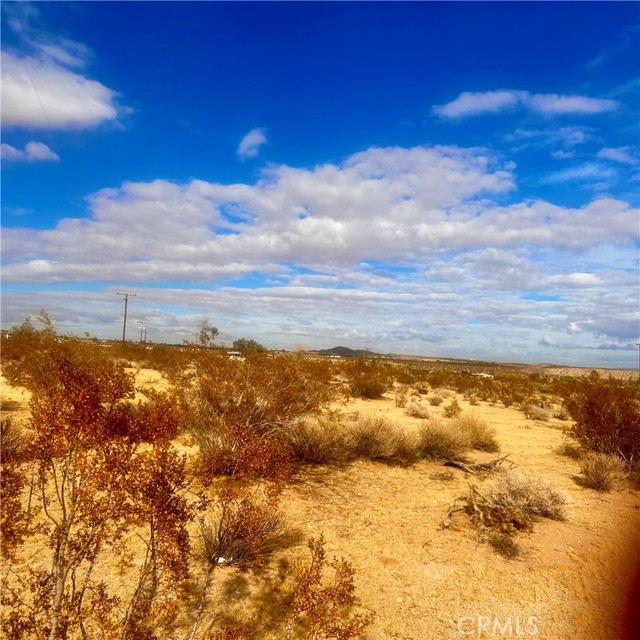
(126, 302)
(141, 329)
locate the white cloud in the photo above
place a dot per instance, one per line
(589, 171)
(469, 104)
(33, 152)
(249, 146)
(619, 154)
(416, 243)
(38, 92)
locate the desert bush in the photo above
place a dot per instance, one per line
(600, 471)
(400, 395)
(377, 438)
(321, 441)
(481, 435)
(561, 413)
(435, 400)
(607, 417)
(325, 611)
(442, 441)
(368, 378)
(504, 544)
(570, 449)
(452, 409)
(416, 409)
(525, 495)
(535, 412)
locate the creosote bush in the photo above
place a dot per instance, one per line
(368, 378)
(607, 417)
(600, 471)
(435, 400)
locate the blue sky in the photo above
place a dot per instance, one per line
(453, 179)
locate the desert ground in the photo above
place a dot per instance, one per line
(572, 579)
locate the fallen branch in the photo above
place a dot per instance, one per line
(473, 468)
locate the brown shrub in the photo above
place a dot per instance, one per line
(368, 378)
(377, 438)
(442, 441)
(416, 409)
(526, 496)
(452, 409)
(435, 400)
(607, 417)
(534, 412)
(600, 471)
(481, 435)
(321, 441)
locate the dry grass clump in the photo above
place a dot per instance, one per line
(416, 409)
(377, 438)
(439, 441)
(435, 400)
(481, 435)
(531, 497)
(600, 471)
(533, 412)
(13, 440)
(241, 532)
(321, 441)
(452, 409)
(570, 449)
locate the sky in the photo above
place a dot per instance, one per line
(445, 179)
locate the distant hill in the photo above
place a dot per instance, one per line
(345, 352)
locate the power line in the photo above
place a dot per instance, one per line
(126, 302)
(46, 115)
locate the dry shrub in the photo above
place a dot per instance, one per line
(321, 441)
(416, 409)
(442, 441)
(504, 545)
(435, 400)
(377, 438)
(368, 378)
(600, 471)
(452, 409)
(400, 395)
(525, 496)
(321, 610)
(534, 412)
(607, 417)
(570, 449)
(13, 440)
(561, 413)
(242, 530)
(481, 435)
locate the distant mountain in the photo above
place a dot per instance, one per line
(345, 352)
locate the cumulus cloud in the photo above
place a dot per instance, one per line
(415, 241)
(32, 152)
(249, 146)
(41, 91)
(469, 104)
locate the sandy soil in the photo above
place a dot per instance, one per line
(424, 582)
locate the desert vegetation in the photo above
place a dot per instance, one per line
(130, 510)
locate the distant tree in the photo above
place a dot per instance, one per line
(207, 333)
(244, 344)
